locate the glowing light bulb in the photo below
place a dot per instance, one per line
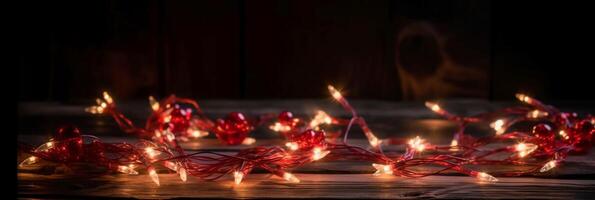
(525, 149)
(484, 177)
(564, 135)
(320, 118)
(454, 145)
(318, 153)
(548, 166)
(167, 119)
(278, 127)
(151, 152)
(290, 177)
(523, 98)
(382, 169)
(182, 173)
(195, 133)
(153, 175)
(29, 161)
(292, 145)
(417, 143)
(537, 114)
(169, 135)
(498, 125)
(248, 141)
(127, 169)
(237, 177)
(336, 94)
(374, 141)
(154, 103)
(107, 97)
(433, 106)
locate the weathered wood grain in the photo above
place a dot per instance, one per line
(353, 186)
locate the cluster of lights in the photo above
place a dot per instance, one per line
(312, 146)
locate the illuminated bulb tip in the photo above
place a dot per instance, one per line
(151, 152)
(292, 146)
(107, 97)
(433, 106)
(182, 173)
(248, 141)
(237, 177)
(153, 175)
(417, 143)
(382, 169)
(374, 141)
(290, 177)
(454, 143)
(29, 161)
(537, 114)
(154, 103)
(318, 153)
(320, 118)
(548, 166)
(498, 126)
(278, 127)
(127, 169)
(336, 94)
(525, 149)
(198, 133)
(484, 177)
(523, 98)
(564, 135)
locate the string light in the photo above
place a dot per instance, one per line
(484, 177)
(417, 143)
(151, 152)
(564, 135)
(153, 175)
(320, 118)
(292, 146)
(237, 177)
(67, 147)
(198, 133)
(498, 126)
(29, 161)
(525, 149)
(290, 177)
(433, 106)
(537, 114)
(548, 166)
(524, 98)
(318, 153)
(182, 173)
(127, 169)
(249, 141)
(278, 127)
(153, 103)
(382, 169)
(454, 145)
(335, 93)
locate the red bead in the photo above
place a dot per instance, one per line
(309, 139)
(180, 119)
(68, 143)
(545, 135)
(233, 129)
(285, 117)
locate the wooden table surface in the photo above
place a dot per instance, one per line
(338, 179)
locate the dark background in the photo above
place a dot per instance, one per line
(236, 49)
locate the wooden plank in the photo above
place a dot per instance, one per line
(353, 186)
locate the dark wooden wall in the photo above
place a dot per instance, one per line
(71, 50)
